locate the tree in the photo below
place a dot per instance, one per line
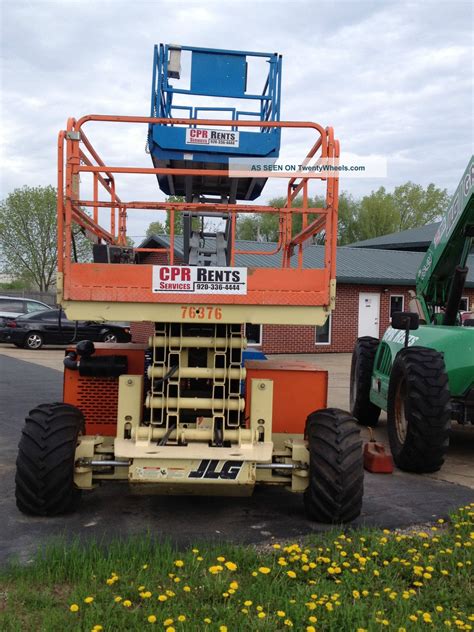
(155, 228)
(178, 217)
(377, 215)
(417, 206)
(247, 227)
(28, 236)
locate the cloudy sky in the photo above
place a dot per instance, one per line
(393, 78)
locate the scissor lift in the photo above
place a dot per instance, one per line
(183, 414)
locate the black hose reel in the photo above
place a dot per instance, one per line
(88, 365)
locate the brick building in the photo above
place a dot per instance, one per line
(373, 280)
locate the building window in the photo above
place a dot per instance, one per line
(464, 304)
(323, 332)
(254, 336)
(396, 304)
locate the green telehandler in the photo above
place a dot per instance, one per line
(422, 371)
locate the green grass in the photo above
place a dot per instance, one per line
(339, 581)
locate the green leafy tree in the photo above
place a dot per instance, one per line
(178, 217)
(348, 218)
(417, 206)
(28, 235)
(377, 215)
(155, 228)
(28, 232)
(247, 227)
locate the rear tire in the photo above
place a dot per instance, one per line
(33, 341)
(336, 472)
(363, 356)
(45, 463)
(419, 410)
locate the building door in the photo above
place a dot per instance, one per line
(369, 313)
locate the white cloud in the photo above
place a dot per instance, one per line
(393, 79)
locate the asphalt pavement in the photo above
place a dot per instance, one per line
(271, 514)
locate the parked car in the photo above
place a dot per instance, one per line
(52, 327)
(13, 306)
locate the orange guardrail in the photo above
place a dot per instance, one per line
(77, 157)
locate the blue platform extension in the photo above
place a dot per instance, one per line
(220, 75)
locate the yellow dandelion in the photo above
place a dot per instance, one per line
(248, 602)
(234, 585)
(220, 558)
(74, 607)
(261, 615)
(222, 628)
(281, 613)
(152, 619)
(179, 563)
(127, 603)
(291, 574)
(214, 570)
(162, 598)
(170, 629)
(181, 618)
(88, 599)
(230, 566)
(264, 570)
(117, 599)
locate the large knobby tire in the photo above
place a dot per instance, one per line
(336, 471)
(366, 413)
(45, 463)
(419, 410)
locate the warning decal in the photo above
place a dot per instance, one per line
(199, 280)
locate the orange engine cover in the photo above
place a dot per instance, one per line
(97, 397)
(299, 388)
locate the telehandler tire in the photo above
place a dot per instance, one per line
(336, 472)
(418, 410)
(45, 463)
(366, 413)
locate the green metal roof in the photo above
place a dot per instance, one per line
(417, 239)
(361, 266)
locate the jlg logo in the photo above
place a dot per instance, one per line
(208, 469)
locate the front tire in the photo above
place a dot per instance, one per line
(110, 336)
(33, 341)
(363, 356)
(336, 472)
(45, 463)
(418, 410)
